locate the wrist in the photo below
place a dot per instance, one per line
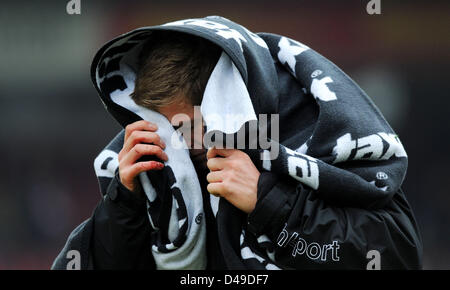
(119, 193)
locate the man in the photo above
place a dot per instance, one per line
(331, 201)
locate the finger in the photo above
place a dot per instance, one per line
(139, 125)
(140, 150)
(215, 176)
(216, 189)
(144, 166)
(213, 152)
(215, 163)
(143, 137)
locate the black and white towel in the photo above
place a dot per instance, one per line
(332, 139)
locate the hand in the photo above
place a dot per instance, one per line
(135, 134)
(233, 177)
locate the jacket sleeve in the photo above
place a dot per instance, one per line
(121, 230)
(116, 236)
(311, 233)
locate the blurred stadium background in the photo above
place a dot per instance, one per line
(53, 124)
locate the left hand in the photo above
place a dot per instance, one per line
(233, 176)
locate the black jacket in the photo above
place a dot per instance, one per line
(117, 236)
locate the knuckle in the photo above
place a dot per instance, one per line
(155, 137)
(134, 135)
(212, 188)
(153, 150)
(229, 176)
(225, 175)
(139, 149)
(157, 150)
(230, 163)
(130, 128)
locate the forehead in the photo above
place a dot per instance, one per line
(171, 110)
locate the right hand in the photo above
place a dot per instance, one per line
(135, 134)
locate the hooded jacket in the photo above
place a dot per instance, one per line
(330, 199)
